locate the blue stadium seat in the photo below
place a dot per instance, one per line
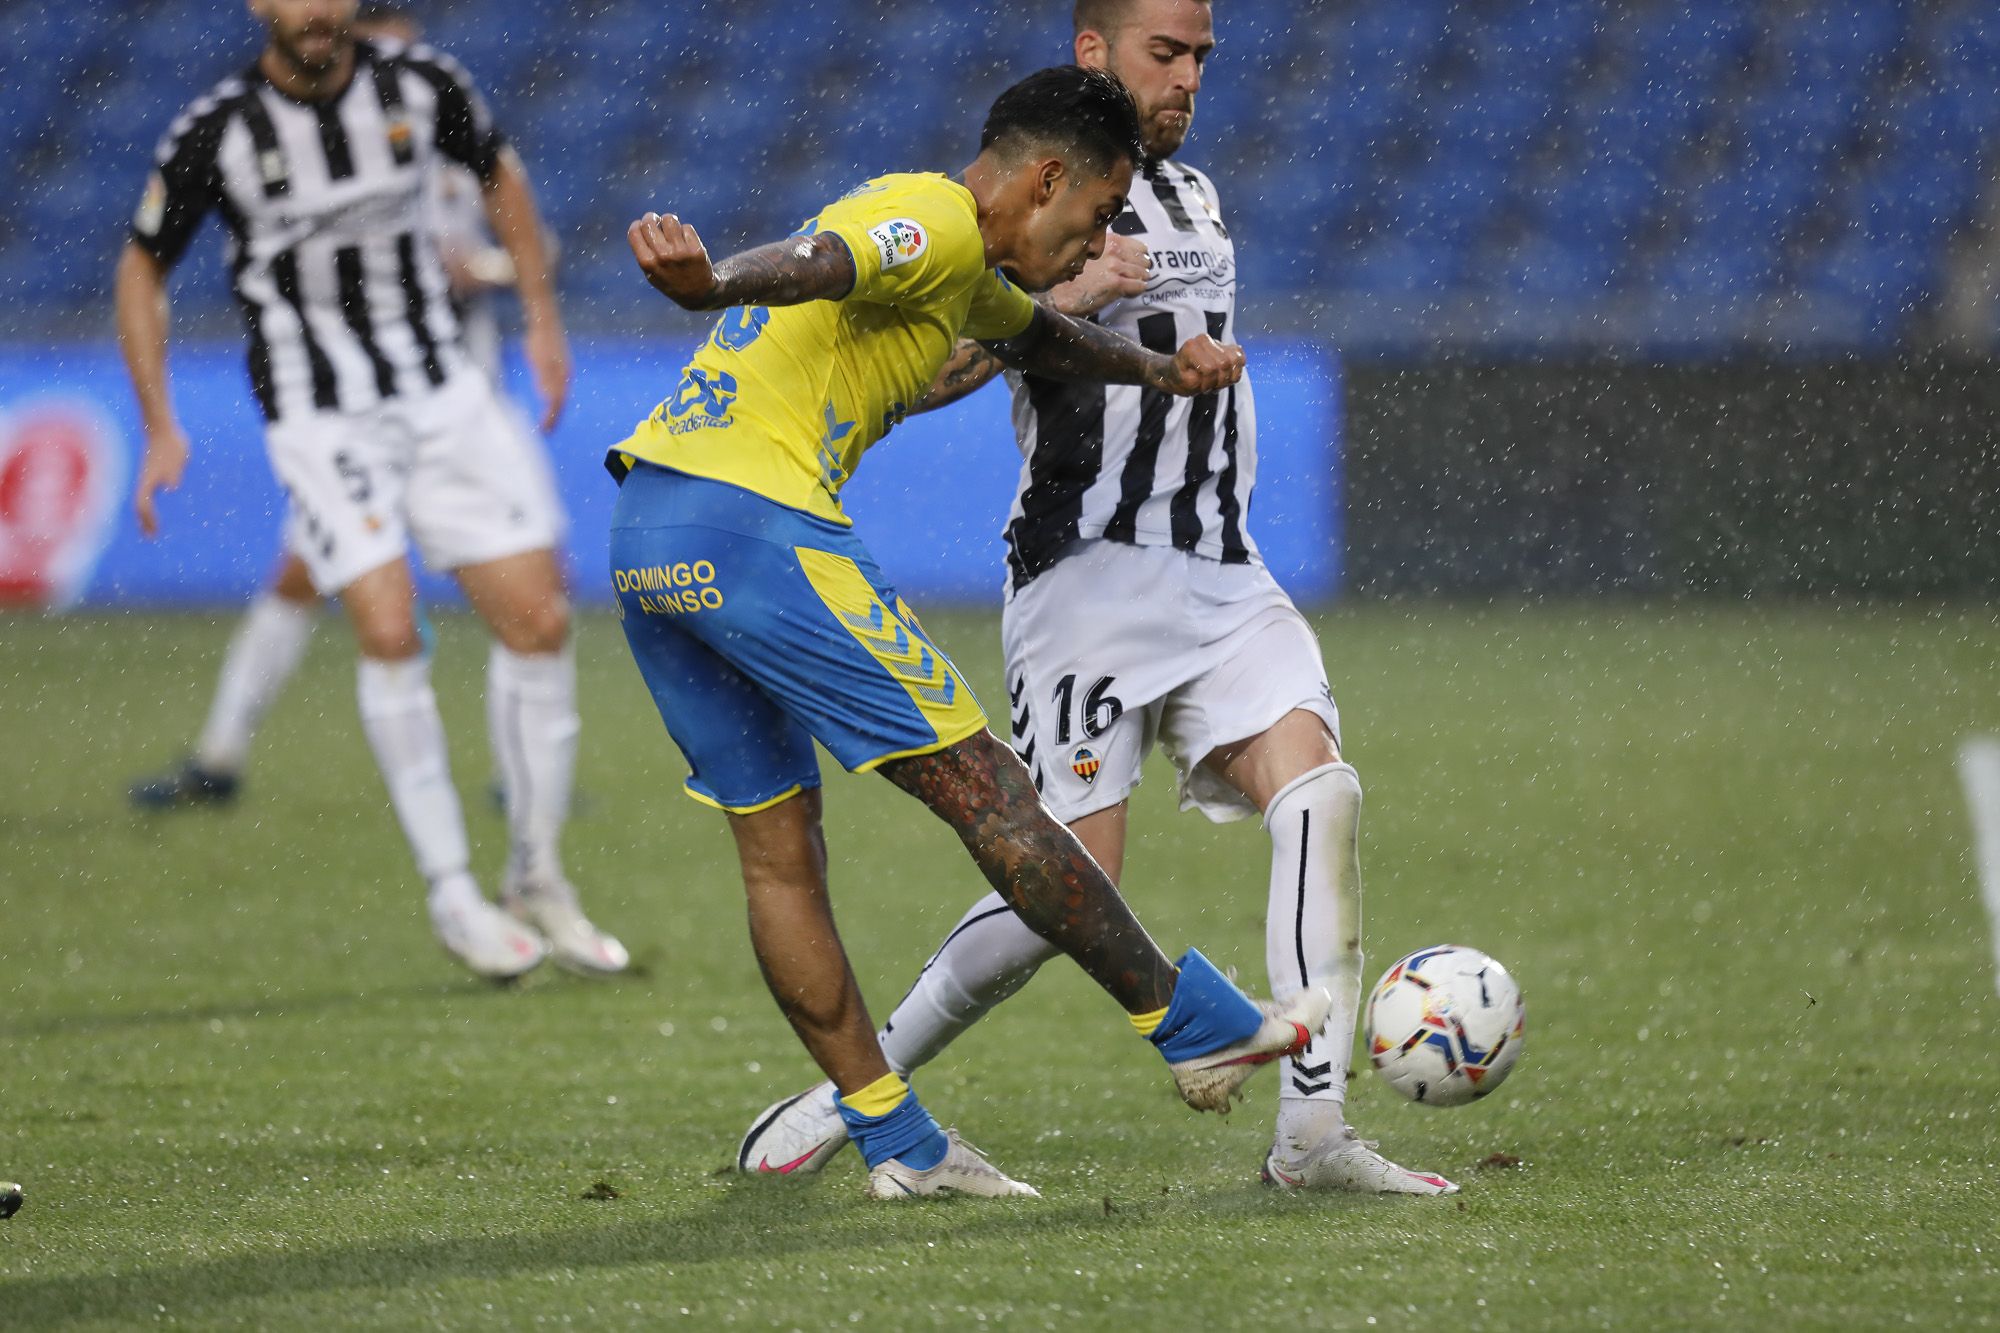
(1837, 43)
(1540, 43)
(1385, 147)
(1395, 264)
(1446, 205)
(1786, 129)
(1914, 203)
(1642, 123)
(1762, 200)
(1504, 120)
(1596, 205)
(1720, 276)
(1692, 44)
(1565, 271)
(1887, 282)
(1954, 120)
(1390, 41)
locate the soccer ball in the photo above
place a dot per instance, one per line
(1444, 1025)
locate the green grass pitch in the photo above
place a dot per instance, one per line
(1723, 850)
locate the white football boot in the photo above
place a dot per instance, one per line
(1344, 1162)
(1208, 1082)
(794, 1137)
(549, 904)
(483, 937)
(962, 1171)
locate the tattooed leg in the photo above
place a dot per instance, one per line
(983, 791)
(783, 852)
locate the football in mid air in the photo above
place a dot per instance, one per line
(1445, 1025)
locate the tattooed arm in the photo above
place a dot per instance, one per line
(788, 272)
(969, 367)
(983, 791)
(1065, 348)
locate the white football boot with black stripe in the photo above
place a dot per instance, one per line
(794, 1137)
(962, 1171)
(1345, 1162)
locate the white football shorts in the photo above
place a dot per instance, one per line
(458, 470)
(1118, 647)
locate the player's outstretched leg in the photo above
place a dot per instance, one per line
(1313, 938)
(1212, 1035)
(399, 713)
(269, 643)
(783, 854)
(532, 720)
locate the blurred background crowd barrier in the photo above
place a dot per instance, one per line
(1659, 296)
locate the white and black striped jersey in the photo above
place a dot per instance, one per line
(1130, 464)
(332, 241)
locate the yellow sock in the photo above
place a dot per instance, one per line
(882, 1096)
(1147, 1024)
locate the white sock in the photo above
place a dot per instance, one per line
(531, 719)
(400, 716)
(1312, 936)
(269, 643)
(988, 956)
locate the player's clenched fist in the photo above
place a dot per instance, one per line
(672, 257)
(1203, 365)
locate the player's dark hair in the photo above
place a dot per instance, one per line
(1067, 106)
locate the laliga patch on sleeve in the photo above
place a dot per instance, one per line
(900, 240)
(153, 207)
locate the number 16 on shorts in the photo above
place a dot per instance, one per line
(1078, 711)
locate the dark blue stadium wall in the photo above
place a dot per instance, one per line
(1846, 479)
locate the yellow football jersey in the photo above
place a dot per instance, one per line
(784, 401)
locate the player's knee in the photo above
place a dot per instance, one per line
(540, 628)
(388, 633)
(547, 627)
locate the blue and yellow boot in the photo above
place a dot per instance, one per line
(1214, 1037)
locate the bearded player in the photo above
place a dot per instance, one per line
(384, 435)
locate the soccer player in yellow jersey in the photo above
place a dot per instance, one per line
(1132, 565)
(761, 624)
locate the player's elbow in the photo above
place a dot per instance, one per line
(1018, 352)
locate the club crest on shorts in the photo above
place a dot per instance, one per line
(1085, 764)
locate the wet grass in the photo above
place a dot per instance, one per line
(1723, 850)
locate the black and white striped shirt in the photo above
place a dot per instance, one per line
(332, 239)
(1130, 464)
